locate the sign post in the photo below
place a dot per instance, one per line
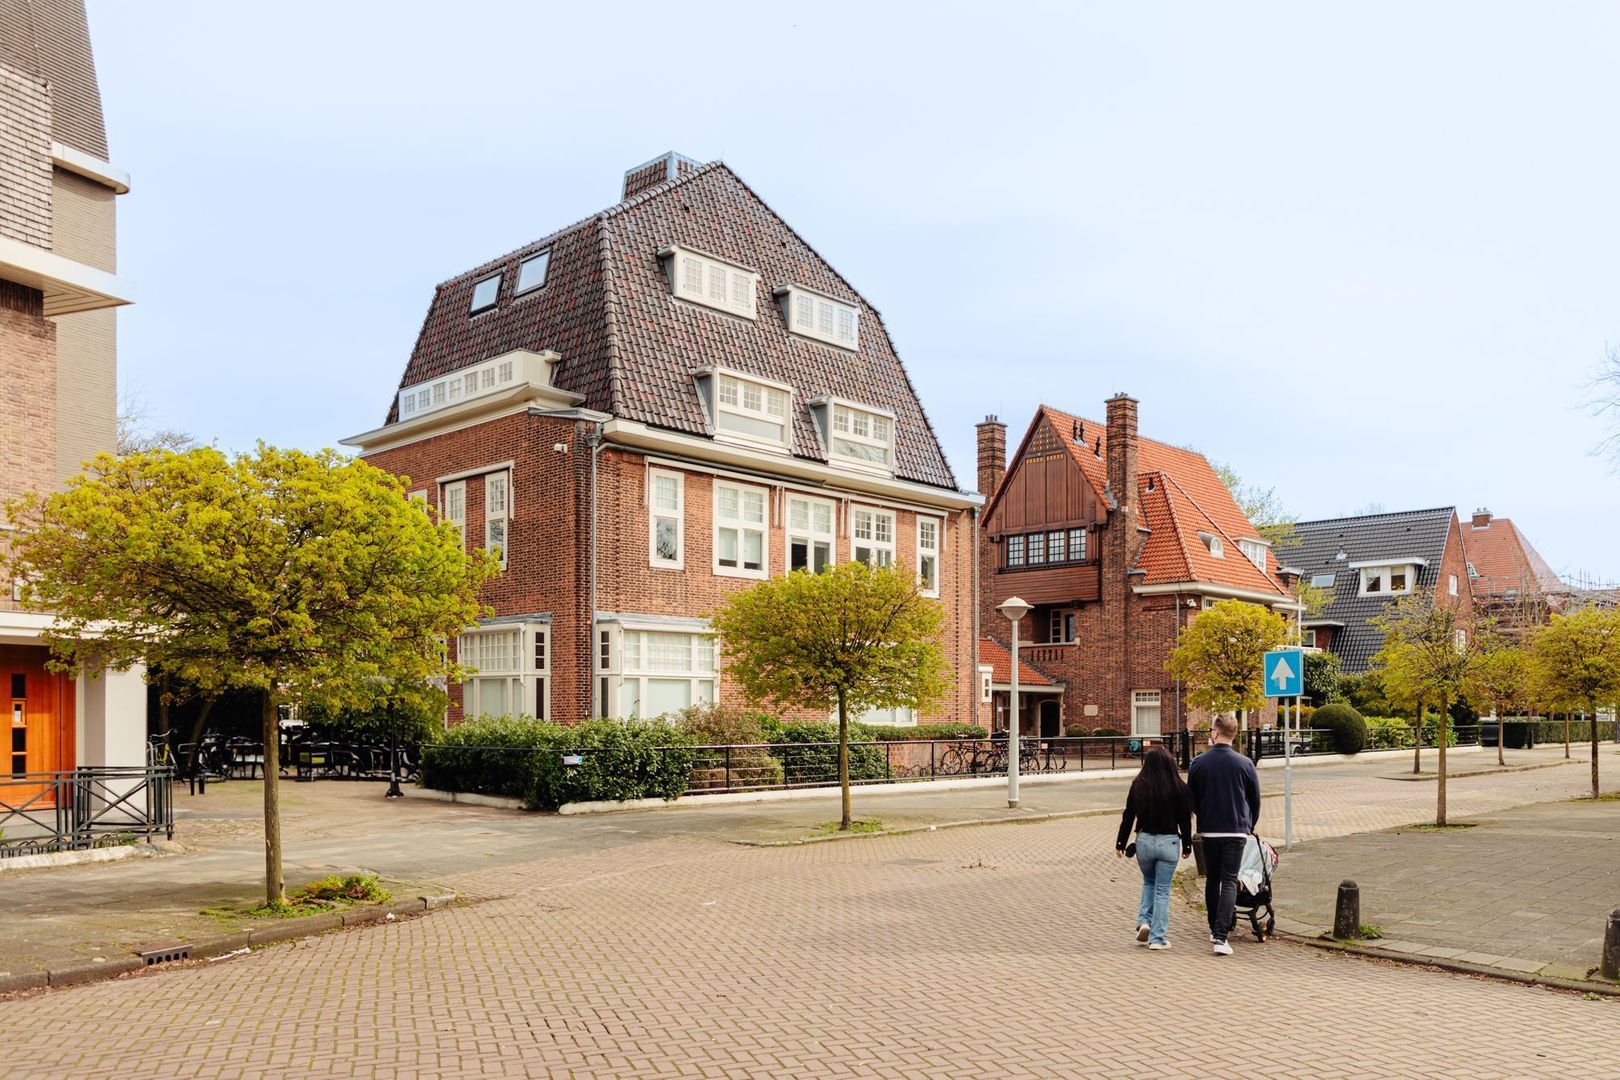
(1285, 678)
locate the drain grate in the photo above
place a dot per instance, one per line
(165, 955)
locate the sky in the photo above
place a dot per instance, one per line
(1367, 255)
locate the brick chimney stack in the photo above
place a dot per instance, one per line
(1482, 518)
(1121, 453)
(992, 455)
(649, 174)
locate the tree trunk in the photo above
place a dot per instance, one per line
(1440, 745)
(1501, 733)
(845, 821)
(1417, 741)
(197, 730)
(1591, 708)
(275, 888)
(1566, 735)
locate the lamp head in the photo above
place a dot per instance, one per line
(1013, 609)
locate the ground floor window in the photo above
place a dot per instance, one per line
(510, 671)
(664, 672)
(1145, 712)
(885, 717)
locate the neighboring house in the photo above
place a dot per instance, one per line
(58, 292)
(1118, 542)
(1512, 583)
(648, 411)
(1370, 562)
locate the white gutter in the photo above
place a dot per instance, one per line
(633, 433)
(1210, 588)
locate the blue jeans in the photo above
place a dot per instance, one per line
(1156, 855)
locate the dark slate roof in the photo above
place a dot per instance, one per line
(1315, 548)
(630, 347)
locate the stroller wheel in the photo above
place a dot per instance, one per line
(1264, 932)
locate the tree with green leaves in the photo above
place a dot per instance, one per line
(1261, 506)
(1577, 657)
(1504, 678)
(1321, 677)
(1430, 652)
(307, 577)
(853, 638)
(1221, 656)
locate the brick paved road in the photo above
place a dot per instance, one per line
(995, 950)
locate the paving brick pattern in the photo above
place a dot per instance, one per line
(992, 950)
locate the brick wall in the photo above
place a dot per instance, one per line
(25, 158)
(27, 393)
(548, 564)
(83, 228)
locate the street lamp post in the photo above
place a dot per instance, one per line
(1013, 609)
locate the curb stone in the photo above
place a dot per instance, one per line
(76, 974)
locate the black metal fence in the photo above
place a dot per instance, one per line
(94, 806)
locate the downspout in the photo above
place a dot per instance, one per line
(973, 697)
(592, 653)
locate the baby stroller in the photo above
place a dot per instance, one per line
(1254, 887)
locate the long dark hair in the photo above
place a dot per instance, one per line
(1159, 783)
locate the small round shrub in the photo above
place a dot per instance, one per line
(1348, 728)
(1076, 731)
(1107, 732)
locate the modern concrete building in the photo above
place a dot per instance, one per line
(59, 293)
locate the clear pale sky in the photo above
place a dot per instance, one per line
(1364, 255)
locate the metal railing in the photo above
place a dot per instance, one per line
(94, 806)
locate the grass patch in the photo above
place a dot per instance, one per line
(1369, 932)
(1610, 796)
(831, 827)
(1438, 828)
(332, 893)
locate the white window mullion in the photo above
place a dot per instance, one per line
(666, 514)
(741, 521)
(929, 531)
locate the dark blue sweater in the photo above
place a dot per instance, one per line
(1225, 791)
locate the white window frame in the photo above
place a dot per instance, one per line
(1452, 583)
(878, 547)
(655, 514)
(986, 683)
(1255, 552)
(1383, 575)
(1460, 638)
(1144, 699)
(702, 672)
(816, 315)
(417, 496)
(526, 674)
(498, 520)
(809, 534)
(542, 257)
(1217, 549)
(737, 286)
(453, 507)
(927, 587)
(1307, 637)
(741, 526)
(855, 416)
(768, 392)
(1318, 583)
(1059, 624)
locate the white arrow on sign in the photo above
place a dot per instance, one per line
(1282, 674)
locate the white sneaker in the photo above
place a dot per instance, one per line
(1157, 945)
(1142, 933)
(1221, 948)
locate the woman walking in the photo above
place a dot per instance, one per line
(1160, 807)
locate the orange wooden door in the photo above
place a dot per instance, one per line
(38, 718)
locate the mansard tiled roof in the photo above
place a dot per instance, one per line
(1181, 496)
(995, 654)
(1330, 546)
(1504, 560)
(630, 346)
(50, 40)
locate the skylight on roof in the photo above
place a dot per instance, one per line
(485, 294)
(532, 272)
(1322, 581)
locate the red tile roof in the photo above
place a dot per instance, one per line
(1504, 559)
(995, 654)
(1181, 496)
(630, 347)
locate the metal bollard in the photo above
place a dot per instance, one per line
(1347, 916)
(1610, 964)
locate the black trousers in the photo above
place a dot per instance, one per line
(1222, 857)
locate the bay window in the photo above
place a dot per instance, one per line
(510, 671)
(664, 672)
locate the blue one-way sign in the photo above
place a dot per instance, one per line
(1285, 673)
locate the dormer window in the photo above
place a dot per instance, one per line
(822, 317)
(504, 372)
(712, 282)
(1397, 578)
(856, 435)
(747, 407)
(485, 294)
(532, 272)
(1255, 552)
(1217, 548)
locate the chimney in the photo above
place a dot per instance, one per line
(992, 455)
(1482, 518)
(1120, 452)
(648, 174)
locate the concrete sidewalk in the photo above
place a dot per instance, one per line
(71, 915)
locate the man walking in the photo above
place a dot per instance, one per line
(1226, 798)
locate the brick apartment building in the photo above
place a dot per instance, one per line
(1367, 564)
(647, 411)
(1118, 541)
(58, 295)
